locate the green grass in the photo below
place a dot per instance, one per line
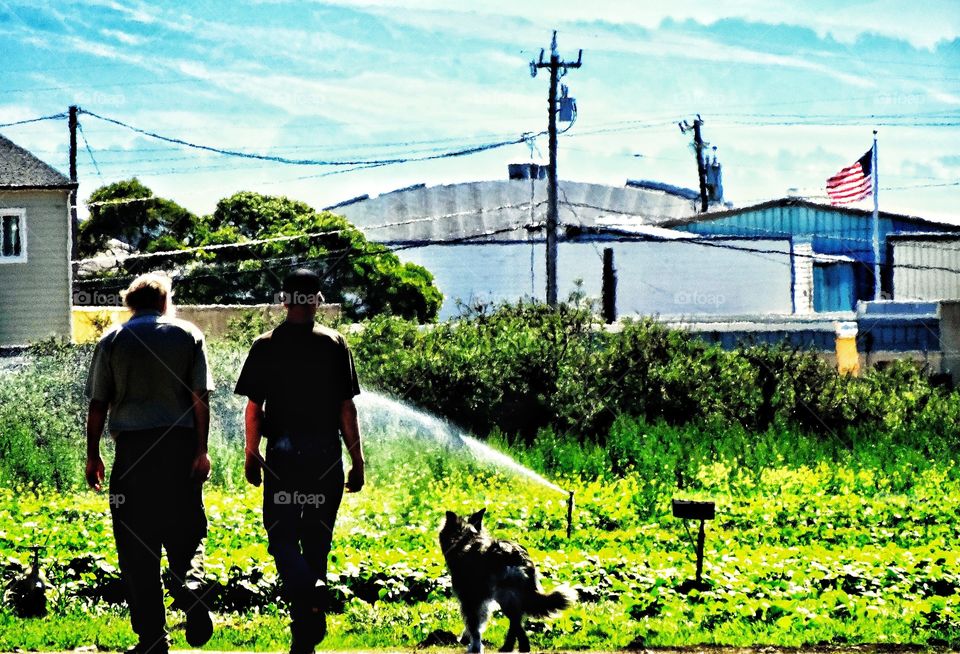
(821, 537)
(798, 556)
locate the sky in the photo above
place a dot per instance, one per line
(789, 93)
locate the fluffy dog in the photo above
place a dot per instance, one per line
(486, 570)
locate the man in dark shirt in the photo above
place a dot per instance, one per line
(151, 376)
(300, 383)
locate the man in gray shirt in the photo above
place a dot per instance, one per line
(150, 375)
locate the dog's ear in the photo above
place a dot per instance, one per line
(477, 519)
(451, 517)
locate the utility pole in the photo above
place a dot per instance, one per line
(698, 146)
(74, 227)
(609, 287)
(558, 68)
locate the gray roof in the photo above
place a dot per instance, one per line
(21, 170)
(505, 210)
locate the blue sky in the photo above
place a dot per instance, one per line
(789, 92)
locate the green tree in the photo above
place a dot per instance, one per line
(365, 278)
(129, 212)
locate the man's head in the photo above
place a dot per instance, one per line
(301, 293)
(149, 292)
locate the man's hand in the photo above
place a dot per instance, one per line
(95, 473)
(201, 468)
(355, 478)
(252, 469)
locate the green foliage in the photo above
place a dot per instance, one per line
(833, 552)
(524, 367)
(151, 225)
(365, 277)
(819, 539)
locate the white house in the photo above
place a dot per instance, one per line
(35, 240)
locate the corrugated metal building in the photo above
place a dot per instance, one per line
(483, 241)
(35, 276)
(837, 240)
(925, 266)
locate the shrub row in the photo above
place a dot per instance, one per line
(525, 367)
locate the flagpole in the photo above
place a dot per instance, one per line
(876, 224)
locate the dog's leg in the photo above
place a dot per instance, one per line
(522, 635)
(465, 637)
(475, 619)
(512, 632)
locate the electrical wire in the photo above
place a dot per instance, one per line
(89, 150)
(284, 238)
(315, 162)
(34, 120)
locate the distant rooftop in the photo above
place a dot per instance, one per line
(800, 202)
(506, 210)
(19, 169)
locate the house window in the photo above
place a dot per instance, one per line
(13, 236)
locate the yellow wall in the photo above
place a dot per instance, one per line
(213, 320)
(90, 322)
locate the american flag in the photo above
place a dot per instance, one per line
(852, 183)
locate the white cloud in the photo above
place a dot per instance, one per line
(123, 37)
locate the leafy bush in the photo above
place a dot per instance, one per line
(525, 367)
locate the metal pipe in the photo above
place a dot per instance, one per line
(570, 514)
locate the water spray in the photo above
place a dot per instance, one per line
(569, 515)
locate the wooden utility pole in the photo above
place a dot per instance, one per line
(74, 227)
(556, 65)
(698, 146)
(609, 287)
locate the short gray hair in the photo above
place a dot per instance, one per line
(148, 291)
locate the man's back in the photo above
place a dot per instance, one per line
(303, 372)
(146, 369)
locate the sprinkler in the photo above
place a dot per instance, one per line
(570, 515)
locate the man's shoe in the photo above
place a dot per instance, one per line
(307, 632)
(199, 626)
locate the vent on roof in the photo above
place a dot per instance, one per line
(527, 171)
(686, 193)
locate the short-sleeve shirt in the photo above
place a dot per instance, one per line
(147, 370)
(303, 372)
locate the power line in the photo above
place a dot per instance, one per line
(284, 238)
(86, 143)
(35, 120)
(523, 138)
(120, 282)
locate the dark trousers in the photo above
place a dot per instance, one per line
(156, 504)
(302, 490)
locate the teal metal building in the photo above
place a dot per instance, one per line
(837, 241)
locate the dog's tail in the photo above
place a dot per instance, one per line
(540, 604)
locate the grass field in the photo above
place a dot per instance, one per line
(832, 554)
(823, 537)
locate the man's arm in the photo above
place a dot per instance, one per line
(253, 419)
(96, 419)
(350, 429)
(201, 423)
